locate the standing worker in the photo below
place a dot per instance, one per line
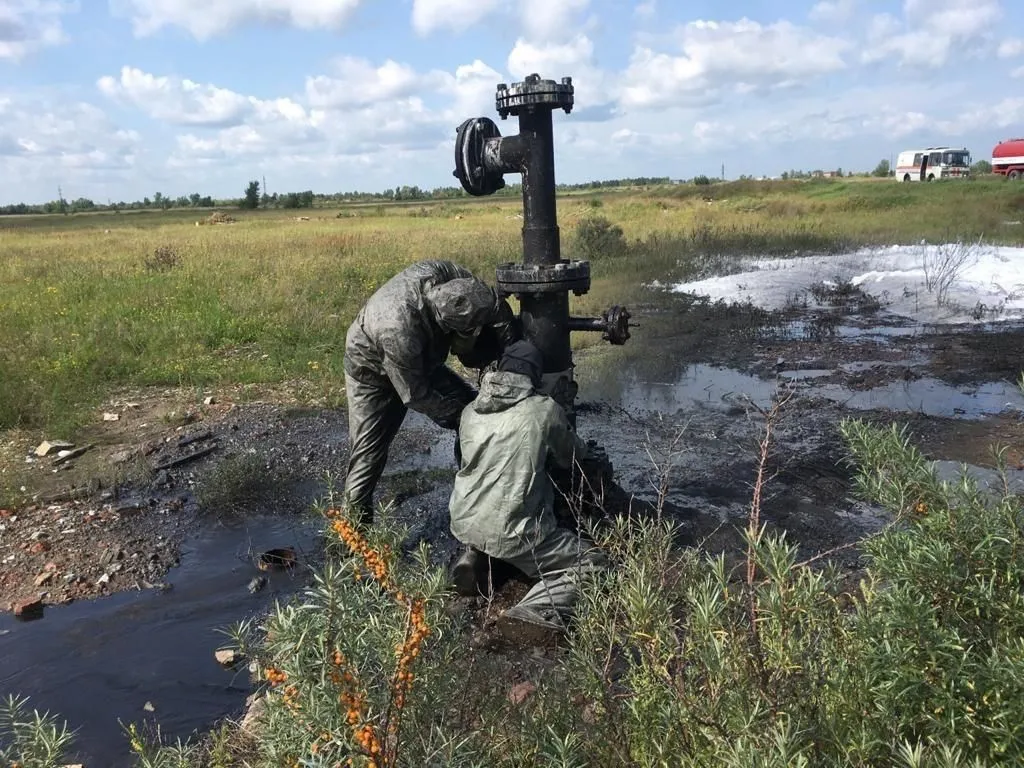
(502, 503)
(395, 353)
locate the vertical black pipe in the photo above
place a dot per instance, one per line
(545, 316)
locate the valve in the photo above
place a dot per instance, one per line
(470, 165)
(613, 324)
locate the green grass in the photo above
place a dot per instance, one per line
(268, 299)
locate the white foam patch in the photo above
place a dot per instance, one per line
(991, 277)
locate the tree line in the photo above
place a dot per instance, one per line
(254, 197)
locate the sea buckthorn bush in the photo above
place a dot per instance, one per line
(677, 658)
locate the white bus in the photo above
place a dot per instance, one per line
(933, 163)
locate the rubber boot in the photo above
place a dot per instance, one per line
(524, 626)
(469, 573)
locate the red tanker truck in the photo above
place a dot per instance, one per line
(1008, 159)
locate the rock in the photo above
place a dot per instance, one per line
(253, 712)
(47, 447)
(228, 656)
(210, 400)
(110, 555)
(148, 707)
(121, 457)
(43, 578)
(65, 456)
(521, 692)
(28, 609)
(111, 417)
(39, 547)
(104, 579)
(257, 583)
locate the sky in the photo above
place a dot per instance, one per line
(120, 99)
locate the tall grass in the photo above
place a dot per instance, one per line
(94, 303)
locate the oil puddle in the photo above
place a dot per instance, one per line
(929, 397)
(822, 327)
(730, 391)
(99, 661)
(713, 387)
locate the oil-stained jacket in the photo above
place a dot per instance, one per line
(502, 502)
(404, 332)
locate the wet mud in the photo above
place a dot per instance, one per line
(680, 411)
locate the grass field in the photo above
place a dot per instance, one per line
(95, 302)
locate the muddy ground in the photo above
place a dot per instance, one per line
(209, 484)
(113, 518)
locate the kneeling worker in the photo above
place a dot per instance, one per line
(502, 502)
(395, 353)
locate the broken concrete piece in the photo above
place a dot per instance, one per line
(111, 417)
(228, 656)
(148, 706)
(47, 447)
(43, 578)
(210, 400)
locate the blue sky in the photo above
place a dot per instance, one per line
(118, 99)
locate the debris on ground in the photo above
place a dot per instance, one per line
(228, 656)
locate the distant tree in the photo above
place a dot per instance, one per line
(252, 196)
(981, 168)
(882, 169)
(145, 202)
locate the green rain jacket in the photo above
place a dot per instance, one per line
(502, 502)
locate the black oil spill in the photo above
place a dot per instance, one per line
(99, 661)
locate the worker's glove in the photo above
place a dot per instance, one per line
(458, 452)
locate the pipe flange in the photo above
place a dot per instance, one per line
(470, 165)
(616, 322)
(544, 278)
(534, 92)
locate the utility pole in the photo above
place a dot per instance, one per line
(723, 171)
(266, 195)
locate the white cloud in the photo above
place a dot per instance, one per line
(177, 100)
(593, 87)
(716, 55)
(551, 20)
(29, 25)
(1018, 72)
(541, 20)
(360, 108)
(1011, 48)
(931, 31)
(646, 10)
(833, 11)
(357, 82)
(204, 19)
(430, 16)
(1002, 114)
(46, 142)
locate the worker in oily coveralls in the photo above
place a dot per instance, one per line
(395, 353)
(503, 501)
